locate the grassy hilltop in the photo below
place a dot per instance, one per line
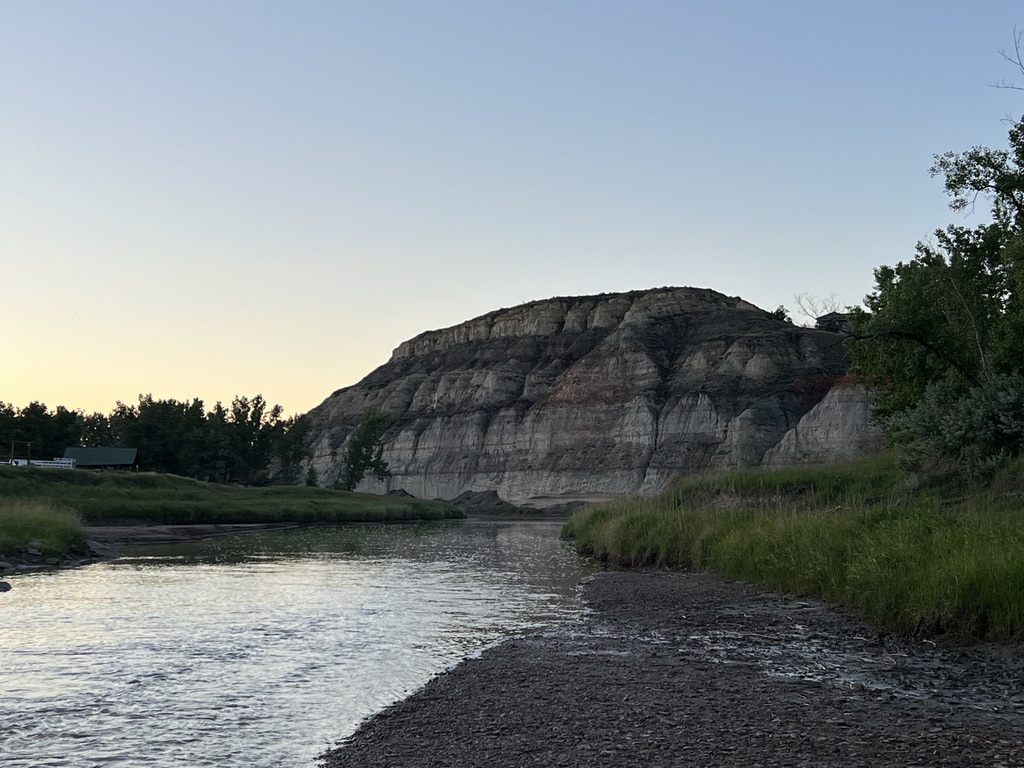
(45, 504)
(924, 562)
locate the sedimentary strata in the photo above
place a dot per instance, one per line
(601, 395)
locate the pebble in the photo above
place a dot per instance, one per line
(688, 669)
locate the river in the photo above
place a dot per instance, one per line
(264, 649)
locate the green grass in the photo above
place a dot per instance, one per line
(168, 499)
(868, 480)
(54, 530)
(908, 561)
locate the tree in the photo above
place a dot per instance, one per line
(290, 440)
(365, 450)
(218, 443)
(96, 431)
(976, 429)
(251, 443)
(8, 425)
(49, 432)
(168, 433)
(941, 316)
(942, 334)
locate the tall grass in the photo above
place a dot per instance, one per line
(853, 535)
(55, 531)
(168, 499)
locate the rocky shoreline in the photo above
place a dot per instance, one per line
(688, 669)
(32, 557)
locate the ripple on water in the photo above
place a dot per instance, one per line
(260, 650)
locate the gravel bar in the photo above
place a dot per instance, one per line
(688, 669)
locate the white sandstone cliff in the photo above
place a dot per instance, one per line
(586, 397)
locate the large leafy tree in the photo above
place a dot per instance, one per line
(946, 328)
(365, 451)
(944, 315)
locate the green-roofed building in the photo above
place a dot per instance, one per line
(103, 458)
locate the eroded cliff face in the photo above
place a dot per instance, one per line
(592, 396)
(836, 429)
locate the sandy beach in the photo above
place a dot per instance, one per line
(687, 669)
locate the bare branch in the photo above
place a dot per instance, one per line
(1006, 85)
(812, 307)
(1015, 59)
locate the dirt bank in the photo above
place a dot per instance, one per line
(686, 669)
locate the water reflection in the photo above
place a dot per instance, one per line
(260, 650)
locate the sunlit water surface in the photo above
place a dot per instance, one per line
(260, 650)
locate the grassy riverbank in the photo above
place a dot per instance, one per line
(911, 561)
(55, 531)
(106, 498)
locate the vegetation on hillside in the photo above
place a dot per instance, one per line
(365, 451)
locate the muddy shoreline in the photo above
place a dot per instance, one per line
(106, 542)
(129, 535)
(688, 669)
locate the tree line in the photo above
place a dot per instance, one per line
(940, 341)
(248, 441)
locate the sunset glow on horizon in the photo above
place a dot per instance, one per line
(209, 200)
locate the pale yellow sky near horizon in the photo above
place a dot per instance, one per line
(211, 200)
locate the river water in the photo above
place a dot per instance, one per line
(265, 649)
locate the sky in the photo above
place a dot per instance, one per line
(231, 197)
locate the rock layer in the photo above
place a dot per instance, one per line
(835, 429)
(597, 395)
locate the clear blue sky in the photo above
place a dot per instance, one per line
(203, 199)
